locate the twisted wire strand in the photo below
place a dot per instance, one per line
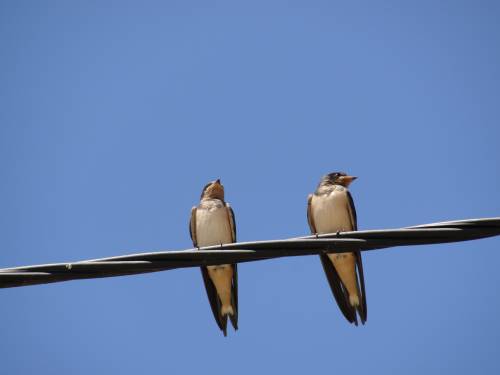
(434, 233)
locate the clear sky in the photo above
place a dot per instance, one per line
(114, 114)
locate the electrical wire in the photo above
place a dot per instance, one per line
(238, 252)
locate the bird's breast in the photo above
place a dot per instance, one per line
(330, 212)
(212, 226)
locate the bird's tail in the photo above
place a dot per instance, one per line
(227, 310)
(223, 324)
(354, 300)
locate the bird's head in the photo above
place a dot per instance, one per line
(337, 178)
(213, 190)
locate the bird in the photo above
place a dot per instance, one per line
(330, 209)
(212, 223)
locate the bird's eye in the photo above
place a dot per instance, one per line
(333, 176)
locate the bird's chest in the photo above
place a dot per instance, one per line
(330, 212)
(212, 226)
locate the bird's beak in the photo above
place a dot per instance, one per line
(349, 179)
(217, 181)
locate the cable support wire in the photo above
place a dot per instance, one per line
(238, 252)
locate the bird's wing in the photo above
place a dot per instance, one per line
(352, 212)
(192, 227)
(234, 297)
(234, 287)
(232, 222)
(310, 219)
(362, 309)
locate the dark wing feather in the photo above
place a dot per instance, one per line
(362, 309)
(192, 227)
(352, 212)
(310, 219)
(232, 222)
(234, 297)
(234, 289)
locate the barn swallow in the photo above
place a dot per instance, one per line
(331, 209)
(212, 223)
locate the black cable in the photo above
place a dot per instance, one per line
(434, 233)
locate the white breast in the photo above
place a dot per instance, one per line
(212, 226)
(330, 212)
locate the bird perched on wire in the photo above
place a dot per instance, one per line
(331, 209)
(212, 223)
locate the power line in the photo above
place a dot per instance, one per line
(434, 233)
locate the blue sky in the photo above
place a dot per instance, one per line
(114, 115)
